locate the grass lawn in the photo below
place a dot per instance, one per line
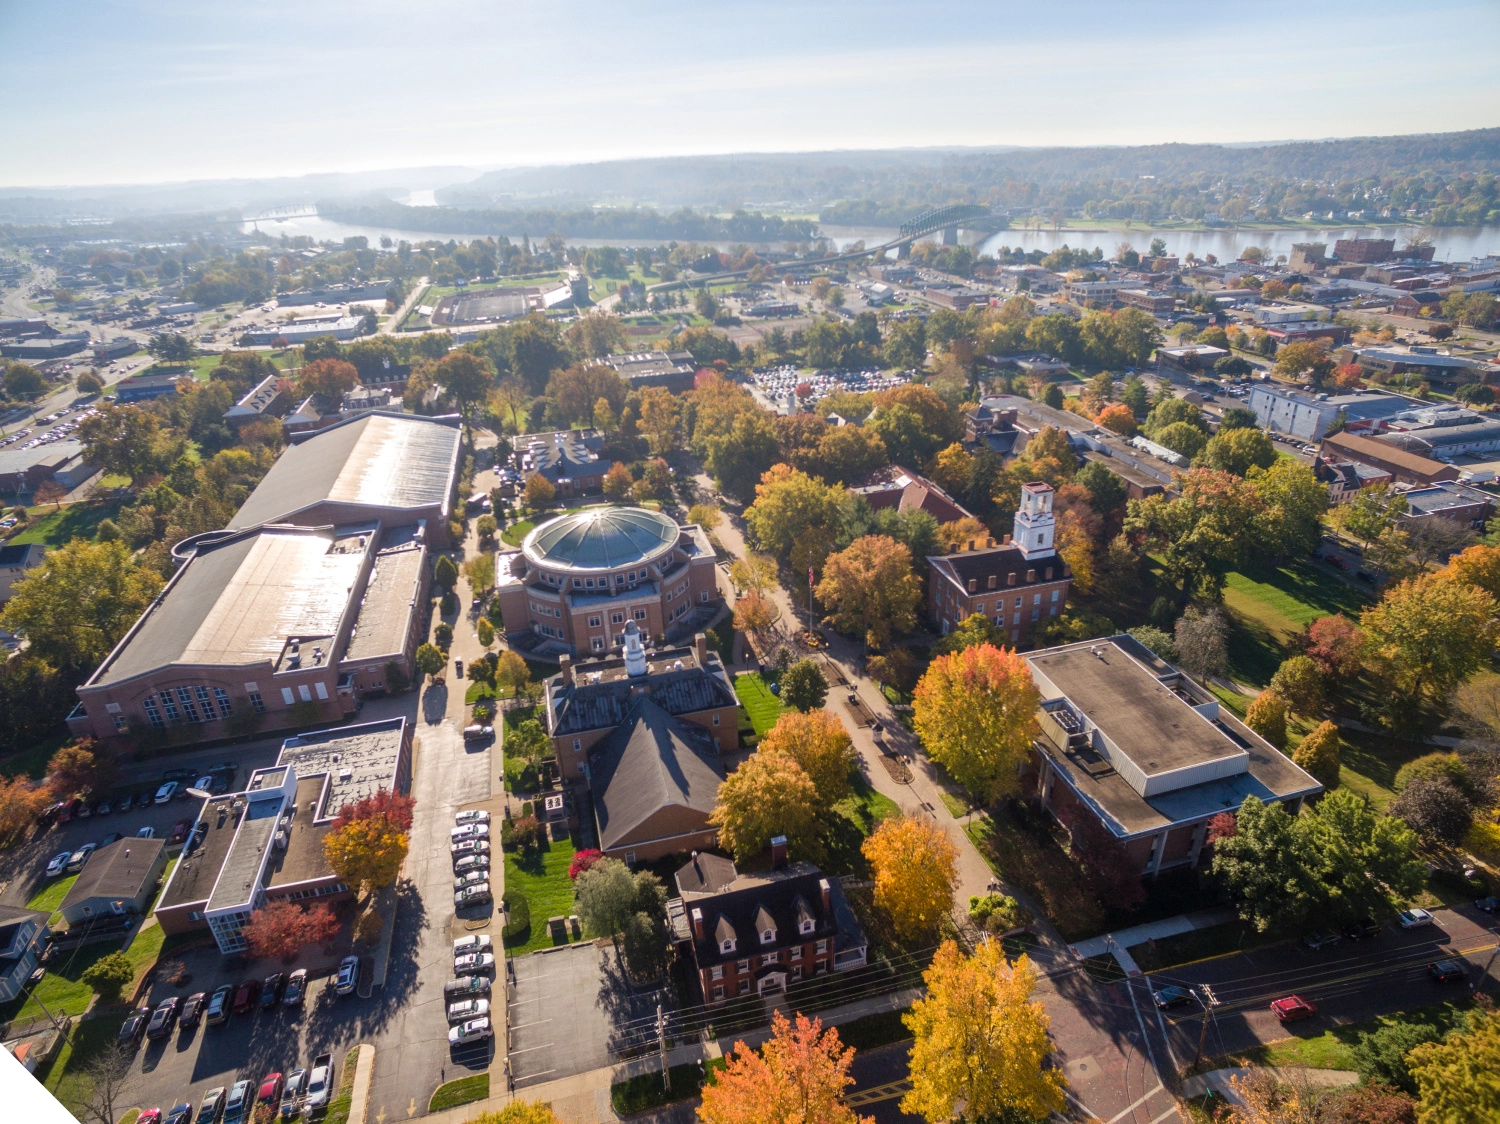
(51, 897)
(57, 527)
(1272, 603)
(1334, 1049)
(542, 877)
(517, 532)
(755, 696)
(853, 819)
(61, 989)
(466, 1090)
(65, 1078)
(1025, 855)
(338, 1108)
(645, 1091)
(479, 690)
(1369, 763)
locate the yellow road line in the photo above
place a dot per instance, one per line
(879, 1093)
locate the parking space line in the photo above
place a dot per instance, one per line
(538, 999)
(1171, 1112)
(530, 1050)
(534, 1076)
(539, 1022)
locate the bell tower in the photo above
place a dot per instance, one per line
(1035, 528)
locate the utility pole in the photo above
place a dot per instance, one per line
(1206, 997)
(661, 1044)
(56, 1023)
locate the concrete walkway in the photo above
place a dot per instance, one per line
(1154, 931)
(1218, 1080)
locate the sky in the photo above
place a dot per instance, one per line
(153, 91)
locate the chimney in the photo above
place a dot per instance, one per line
(827, 892)
(700, 648)
(969, 545)
(1049, 573)
(565, 664)
(778, 852)
(697, 924)
(973, 583)
(1006, 541)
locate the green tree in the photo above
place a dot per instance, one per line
(1456, 1077)
(906, 345)
(127, 440)
(1106, 490)
(467, 378)
(1371, 512)
(108, 975)
(1431, 634)
(1294, 502)
(23, 383)
(444, 572)
(1182, 438)
(1300, 682)
(973, 630)
(1052, 396)
(1133, 393)
(1319, 754)
(738, 459)
(1269, 867)
(803, 686)
(1238, 451)
(1364, 860)
(430, 660)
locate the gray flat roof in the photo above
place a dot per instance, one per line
(390, 598)
(235, 885)
(359, 760)
(197, 870)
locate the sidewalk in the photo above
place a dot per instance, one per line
(1152, 931)
(1218, 1080)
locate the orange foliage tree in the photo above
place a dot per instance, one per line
(797, 1077)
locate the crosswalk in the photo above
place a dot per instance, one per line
(877, 1093)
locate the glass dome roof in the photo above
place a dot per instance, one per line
(601, 538)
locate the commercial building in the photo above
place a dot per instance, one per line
(109, 350)
(1153, 301)
(40, 347)
(1408, 468)
(579, 579)
(23, 933)
(144, 387)
(1189, 358)
(671, 370)
(266, 843)
(1017, 584)
(1433, 364)
(1097, 292)
(118, 880)
(1414, 303)
(1442, 432)
(569, 459)
(335, 294)
(300, 332)
(23, 469)
(1448, 500)
(1308, 257)
(904, 490)
(1136, 746)
(1308, 416)
(15, 561)
(955, 297)
(1363, 249)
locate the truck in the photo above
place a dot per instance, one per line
(319, 1084)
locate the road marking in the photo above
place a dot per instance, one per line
(1131, 1108)
(539, 1022)
(534, 1076)
(411, 1109)
(530, 1049)
(878, 1093)
(538, 999)
(1166, 1115)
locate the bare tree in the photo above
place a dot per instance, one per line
(107, 1072)
(1202, 641)
(1433, 538)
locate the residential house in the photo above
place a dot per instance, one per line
(23, 934)
(15, 561)
(905, 490)
(118, 880)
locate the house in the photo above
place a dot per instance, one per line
(119, 879)
(1413, 303)
(269, 398)
(1407, 467)
(15, 561)
(1448, 499)
(588, 701)
(1347, 479)
(23, 933)
(1016, 584)
(569, 459)
(143, 387)
(1140, 750)
(763, 932)
(904, 490)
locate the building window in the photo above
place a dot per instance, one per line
(639, 614)
(257, 703)
(629, 858)
(979, 608)
(823, 946)
(1035, 613)
(617, 618)
(598, 643)
(716, 972)
(716, 719)
(185, 697)
(703, 595)
(577, 745)
(743, 966)
(744, 987)
(1056, 594)
(595, 622)
(796, 953)
(221, 697)
(1052, 612)
(1018, 602)
(121, 726)
(771, 958)
(153, 715)
(577, 583)
(304, 692)
(796, 972)
(287, 696)
(171, 708)
(1036, 599)
(589, 582)
(719, 992)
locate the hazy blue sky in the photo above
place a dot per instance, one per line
(160, 90)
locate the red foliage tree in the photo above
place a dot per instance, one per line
(583, 862)
(1333, 643)
(395, 807)
(1222, 826)
(281, 930)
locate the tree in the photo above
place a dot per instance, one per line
(848, 453)
(818, 742)
(1319, 754)
(955, 534)
(1456, 1077)
(1118, 417)
(607, 898)
(617, 482)
(1372, 511)
(75, 606)
(20, 803)
(644, 945)
(1334, 643)
(798, 1077)
(578, 390)
(511, 670)
(89, 383)
(1294, 360)
(754, 613)
(705, 515)
(980, 1040)
(804, 686)
(975, 711)
(1436, 766)
(108, 975)
(485, 527)
(539, 491)
(768, 795)
(1475, 394)
(1478, 565)
(871, 589)
(1431, 633)
(79, 769)
(485, 631)
(126, 440)
(467, 378)
(1435, 809)
(1202, 641)
(1300, 682)
(1267, 717)
(1367, 1104)
(480, 570)
(1205, 532)
(896, 668)
(282, 929)
(914, 865)
(366, 852)
(1182, 438)
(22, 383)
(172, 347)
(1238, 451)
(328, 380)
(659, 420)
(743, 455)
(518, 1112)
(106, 1074)
(430, 660)
(444, 572)
(754, 572)
(1156, 641)
(395, 809)
(1268, 867)
(973, 630)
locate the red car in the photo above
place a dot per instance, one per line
(179, 831)
(1293, 1007)
(270, 1092)
(246, 995)
(150, 1116)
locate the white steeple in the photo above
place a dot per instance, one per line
(635, 655)
(1035, 528)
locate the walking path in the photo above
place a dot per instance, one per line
(1218, 1080)
(1152, 931)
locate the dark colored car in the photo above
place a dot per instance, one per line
(192, 1010)
(134, 1027)
(1448, 971)
(296, 989)
(179, 831)
(1319, 941)
(245, 996)
(1171, 996)
(183, 775)
(1359, 930)
(163, 1017)
(270, 991)
(181, 1114)
(1487, 905)
(219, 1005)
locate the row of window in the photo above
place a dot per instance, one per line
(1036, 599)
(184, 704)
(597, 621)
(721, 992)
(318, 892)
(545, 610)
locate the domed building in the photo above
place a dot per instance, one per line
(580, 578)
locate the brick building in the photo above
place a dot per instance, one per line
(1017, 584)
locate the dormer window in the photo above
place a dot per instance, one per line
(768, 936)
(765, 925)
(726, 947)
(806, 926)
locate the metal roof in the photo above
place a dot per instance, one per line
(601, 538)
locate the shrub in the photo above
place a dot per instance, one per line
(1156, 641)
(396, 680)
(583, 861)
(484, 710)
(999, 913)
(108, 975)
(449, 603)
(1431, 766)
(1380, 1055)
(1367, 1104)
(1319, 753)
(486, 632)
(443, 635)
(527, 833)
(1435, 809)
(518, 910)
(1267, 717)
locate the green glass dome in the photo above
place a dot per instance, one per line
(601, 538)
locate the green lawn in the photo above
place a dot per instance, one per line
(338, 1108)
(854, 818)
(542, 877)
(755, 696)
(65, 1078)
(517, 532)
(61, 989)
(1334, 1049)
(1271, 603)
(466, 1090)
(51, 897)
(57, 527)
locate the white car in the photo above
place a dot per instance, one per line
(166, 792)
(474, 815)
(468, 1009)
(472, 962)
(1413, 918)
(470, 831)
(471, 847)
(475, 942)
(474, 1030)
(58, 863)
(471, 878)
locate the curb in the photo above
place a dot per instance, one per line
(364, 1072)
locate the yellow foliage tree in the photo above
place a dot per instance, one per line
(768, 795)
(1077, 549)
(519, 1112)
(871, 588)
(975, 711)
(1267, 717)
(955, 534)
(981, 1040)
(1459, 1077)
(915, 865)
(797, 1077)
(952, 469)
(818, 742)
(1319, 754)
(659, 420)
(366, 852)
(1478, 565)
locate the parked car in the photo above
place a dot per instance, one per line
(204, 783)
(112, 837)
(473, 962)
(192, 1010)
(291, 1098)
(1413, 918)
(467, 985)
(477, 894)
(182, 775)
(296, 988)
(270, 990)
(1291, 1008)
(211, 1107)
(468, 1009)
(147, 832)
(475, 1030)
(245, 996)
(458, 669)
(1171, 996)
(319, 1083)
(180, 831)
(134, 1028)
(166, 792)
(473, 815)
(470, 831)
(218, 1006)
(163, 1017)
(471, 863)
(1487, 905)
(80, 856)
(348, 978)
(471, 847)
(1448, 971)
(237, 1105)
(1359, 930)
(477, 732)
(1364, 575)
(471, 878)
(474, 942)
(271, 1086)
(1319, 941)
(103, 807)
(149, 1116)
(181, 1114)
(58, 863)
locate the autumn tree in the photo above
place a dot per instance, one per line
(395, 808)
(366, 852)
(1456, 1077)
(280, 930)
(914, 865)
(975, 711)
(743, 455)
(127, 440)
(79, 769)
(1267, 717)
(804, 686)
(754, 572)
(871, 589)
(75, 607)
(955, 534)
(972, 630)
(659, 420)
(328, 380)
(768, 795)
(539, 491)
(1478, 565)
(1334, 643)
(1311, 359)
(1430, 633)
(617, 482)
(797, 1077)
(480, 570)
(754, 613)
(578, 389)
(20, 803)
(817, 741)
(705, 515)
(1300, 682)
(1205, 532)
(896, 668)
(1319, 754)
(467, 378)
(980, 1041)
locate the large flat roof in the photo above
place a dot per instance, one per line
(390, 597)
(359, 760)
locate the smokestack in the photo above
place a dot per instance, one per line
(827, 891)
(565, 664)
(778, 852)
(697, 916)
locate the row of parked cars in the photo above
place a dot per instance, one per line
(466, 995)
(303, 1091)
(175, 785)
(471, 859)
